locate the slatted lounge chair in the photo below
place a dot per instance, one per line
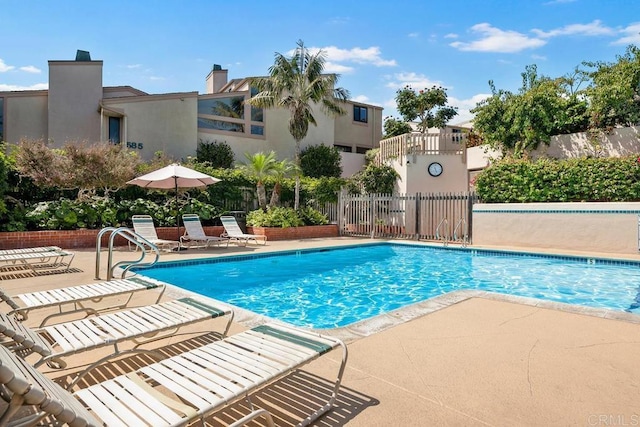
(233, 232)
(80, 298)
(144, 227)
(140, 325)
(32, 249)
(178, 390)
(194, 233)
(38, 260)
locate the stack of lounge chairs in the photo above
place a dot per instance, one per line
(36, 259)
(173, 391)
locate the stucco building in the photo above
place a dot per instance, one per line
(77, 107)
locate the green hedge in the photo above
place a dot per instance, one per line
(571, 180)
(286, 217)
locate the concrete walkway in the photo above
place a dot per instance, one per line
(481, 359)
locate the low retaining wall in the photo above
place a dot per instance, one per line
(295, 233)
(70, 239)
(596, 227)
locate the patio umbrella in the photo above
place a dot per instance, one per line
(174, 177)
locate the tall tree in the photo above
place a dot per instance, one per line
(519, 122)
(259, 166)
(614, 94)
(281, 170)
(299, 84)
(428, 106)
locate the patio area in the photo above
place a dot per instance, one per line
(475, 359)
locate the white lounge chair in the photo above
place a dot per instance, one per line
(32, 249)
(177, 390)
(79, 298)
(151, 322)
(233, 232)
(194, 234)
(36, 259)
(144, 227)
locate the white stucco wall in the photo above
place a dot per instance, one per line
(415, 178)
(75, 92)
(595, 227)
(620, 142)
(160, 123)
(276, 138)
(25, 117)
(352, 163)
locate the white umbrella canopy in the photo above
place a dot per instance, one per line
(174, 177)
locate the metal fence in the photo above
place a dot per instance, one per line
(428, 216)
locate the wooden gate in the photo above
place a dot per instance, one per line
(428, 216)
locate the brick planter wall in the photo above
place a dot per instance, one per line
(70, 239)
(295, 233)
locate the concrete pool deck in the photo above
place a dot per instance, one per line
(468, 359)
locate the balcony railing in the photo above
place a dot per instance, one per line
(400, 146)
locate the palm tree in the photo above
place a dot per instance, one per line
(280, 171)
(298, 84)
(259, 166)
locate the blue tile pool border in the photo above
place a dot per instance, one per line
(473, 251)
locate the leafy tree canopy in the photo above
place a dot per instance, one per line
(428, 106)
(299, 84)
(520, 122)
(394, 127)
(614, 94)
(87, 167)
(217, 153)
(321, 160)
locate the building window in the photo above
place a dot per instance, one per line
(343, 148)
(359, 114)
(456, 135)
(362, 150)
(232, 107)
(257, 130)
(114, 130)
(220, 125)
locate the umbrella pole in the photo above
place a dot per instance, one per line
(177, 211)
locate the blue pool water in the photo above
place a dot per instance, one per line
(338, 286)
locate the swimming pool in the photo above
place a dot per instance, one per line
(335, 287)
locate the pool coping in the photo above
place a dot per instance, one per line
(381, 322)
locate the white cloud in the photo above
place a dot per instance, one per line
(361, 98)
(332, 67)
(339, 20)
(413, 35)
(413, 80)
(37, 86)
(370, 55)
(539, 57)
(134, 66)
(594, 28)
(493, 39)
(632, 35)
(31, 69)
(156, 78)
(465, 106)
(451, 36)
(558, 2)
(4, 67)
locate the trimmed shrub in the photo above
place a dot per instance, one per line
(571, 180)
(285, 217)
(321, 160)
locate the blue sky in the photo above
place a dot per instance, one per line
(375, 46)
